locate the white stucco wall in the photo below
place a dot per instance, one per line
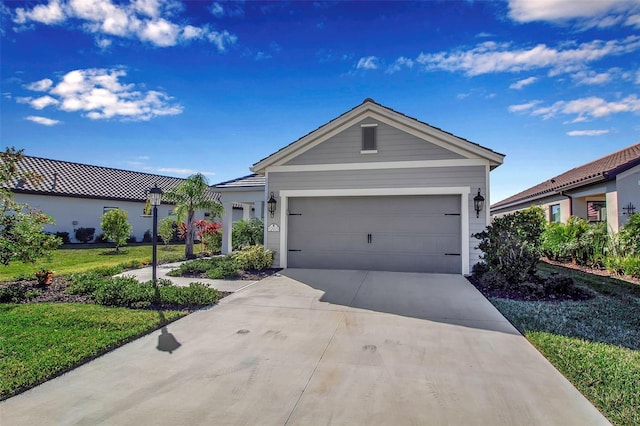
(72, 213)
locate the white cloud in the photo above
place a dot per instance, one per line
(600, 13)
(40, 86)
(589, 107)
(43, 120)
(100, 95)
(522, 83)
(183, 172)
(399, 63)
(367, 63)
(587, 132)
(146, 20)
(523, 107)
(492, 57)
(592, 78)
(217, 10)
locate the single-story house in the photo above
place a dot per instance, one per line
(77, 195)
(373, 189)
(604, 190)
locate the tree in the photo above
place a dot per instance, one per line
(247, 233)
(191, 195)
(116, 227)
(167, 230)
(21, 227)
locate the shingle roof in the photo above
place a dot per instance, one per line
(244, 181)
(64, 178)
(602, 169)
(382, 106)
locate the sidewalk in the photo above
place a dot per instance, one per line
(144, 274)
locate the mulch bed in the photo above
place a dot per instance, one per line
(593, 271)
(576, 294)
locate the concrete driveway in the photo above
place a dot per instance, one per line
(321, 347)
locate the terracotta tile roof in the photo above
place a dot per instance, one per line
(244, 181)
(64, 178)
(602, 169)
(382, 106)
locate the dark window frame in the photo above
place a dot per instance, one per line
(369, 139)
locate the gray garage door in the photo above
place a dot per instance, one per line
(391, 233)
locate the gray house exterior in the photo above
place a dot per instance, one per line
(375, 189)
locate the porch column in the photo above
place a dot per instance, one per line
(227, 227)
(612, 211)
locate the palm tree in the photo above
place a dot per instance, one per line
(191, 195)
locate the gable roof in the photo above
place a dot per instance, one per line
(64, 178)
(250, 181)
(602, 169)
(370, 108)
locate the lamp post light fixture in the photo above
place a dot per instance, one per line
(272, 205)
(478, 203)
(155, 198)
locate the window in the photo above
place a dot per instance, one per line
(369, 142)
(596, 211)
(554, 213)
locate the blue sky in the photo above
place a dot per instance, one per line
(174, 87)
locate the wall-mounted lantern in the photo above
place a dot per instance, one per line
(272, 205)
(478, 203)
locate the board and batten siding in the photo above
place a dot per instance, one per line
(392, 145)
(472, 177)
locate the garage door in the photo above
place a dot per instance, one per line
(390, 233)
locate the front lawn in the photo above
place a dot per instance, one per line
(595, 343)
(42, 340)
(71, 260)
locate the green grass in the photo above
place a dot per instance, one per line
(71, 260)
(595, 343)
(41, 341)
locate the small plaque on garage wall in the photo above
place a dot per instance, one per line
(273, 228)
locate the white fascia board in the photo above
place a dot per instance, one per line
(370, 192)
(378, 165)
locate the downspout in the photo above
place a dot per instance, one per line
(570, 202)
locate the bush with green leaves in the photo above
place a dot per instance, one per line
(253, 257)
(85, 235)
(227, 268)
(247, 233)
(167, 230)
(630, 235)
(126, 291)
(576, 240)
(116, 227)
(511, 244)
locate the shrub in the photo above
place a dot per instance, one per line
(479, 269)
(100, 239)
(132, 239)
(493, 279)
(124, 291)
(196, 294)
(226, 269)
(511, 244)
(147, 238)
(559, 284)
(247, 233)
(595, 243)
(12, 294)
(84, 283)
(64, 237)
(116, 227)
(254, 257)
(631, 266)
(85, 234)
(168, 230)
(630, 235)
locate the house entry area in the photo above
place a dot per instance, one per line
(409, 233)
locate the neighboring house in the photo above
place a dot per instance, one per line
(374, 189)
(244, 197)
(77, 195)
(604, 190)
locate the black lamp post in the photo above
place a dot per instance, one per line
(272, 205)
(478, 203)
(155, 197)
